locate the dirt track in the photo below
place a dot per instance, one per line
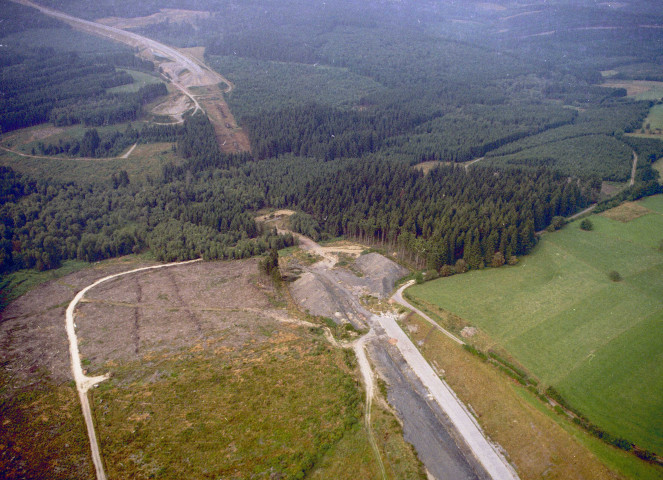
(420, 402)
(84, 382)
(634, 169)
(182, 70)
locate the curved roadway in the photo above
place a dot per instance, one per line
(84, 382)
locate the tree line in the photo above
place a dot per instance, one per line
(41, 85)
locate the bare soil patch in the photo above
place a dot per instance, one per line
(174, 105)
(428, 166)
(166, 14)
(45, 132)
(127, 319)
(230, 137)
(332, 293)
(272, 216)
(195, 52)
(626, 212)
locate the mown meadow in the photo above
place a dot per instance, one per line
(597, 341)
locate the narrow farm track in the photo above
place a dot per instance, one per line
(634, 169)
(398, 297)
(84, 382)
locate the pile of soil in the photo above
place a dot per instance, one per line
(380, 273)
(334, 292)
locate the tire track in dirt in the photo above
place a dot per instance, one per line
(83, 381)
(184, 306)
(136, 325)
(359, 348)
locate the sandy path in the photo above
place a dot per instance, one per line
(467, 165)
(126, 155)
(84, 382)
(633, 170)
(586, 210)
(398, 297)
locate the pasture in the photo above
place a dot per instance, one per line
(655, 118)
(141, 79)
(599, 342)
(145, 160)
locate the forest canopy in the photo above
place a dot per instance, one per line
(339, 100)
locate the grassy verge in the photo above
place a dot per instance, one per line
(541, 443)
(42, 435)
(598, 342)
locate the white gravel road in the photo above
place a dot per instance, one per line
(485, 452)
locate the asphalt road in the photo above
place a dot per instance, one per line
(464, 423)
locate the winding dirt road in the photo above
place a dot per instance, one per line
(84, 382)
(447, 438)
(398, 297)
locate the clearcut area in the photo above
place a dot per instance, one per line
(596, 340)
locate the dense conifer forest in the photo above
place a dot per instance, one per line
(340, 100)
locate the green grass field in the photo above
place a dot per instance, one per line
(600, 343)
(655, 117)
(141, 79)
(146, 159)
(658, 166)
(656, 93)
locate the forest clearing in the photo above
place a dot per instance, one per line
(193, 359)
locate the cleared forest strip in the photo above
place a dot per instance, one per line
(182, 70)
(84, 382)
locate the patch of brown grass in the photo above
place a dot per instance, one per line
(626, 212)
(534, 442)
(428, 166)
(633, 87)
